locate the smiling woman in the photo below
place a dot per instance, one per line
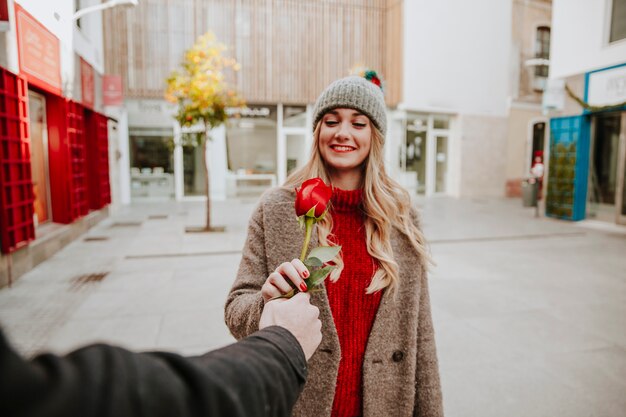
(345, 138)
(375, 308)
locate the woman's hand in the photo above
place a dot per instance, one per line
(277, 283)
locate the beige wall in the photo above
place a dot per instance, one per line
(484, 150)
(519, 140)
(527, 16)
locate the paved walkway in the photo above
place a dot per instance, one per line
(530, 314)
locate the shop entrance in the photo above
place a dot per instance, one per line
(39, 155)
(607, 185)
(151, 164)
(424, 154)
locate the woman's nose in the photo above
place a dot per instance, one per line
(343, 131)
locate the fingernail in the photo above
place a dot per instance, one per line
(303, 287)
(305, 274)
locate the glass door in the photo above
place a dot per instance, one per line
(621, 184)
(415, 157)
(296, 151)
(39, 156)
(194, 174)
(603, 173)
(441, 164)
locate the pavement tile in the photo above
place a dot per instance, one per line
(131, 332)
(596, 375)
(519, 388)
(536, 333)
(181, 330)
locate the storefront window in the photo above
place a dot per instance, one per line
(296, 152)
(251, 141)
(151, 163)
(294, 116)
(441, 122)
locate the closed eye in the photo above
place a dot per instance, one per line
(331, 122)
(359, 125)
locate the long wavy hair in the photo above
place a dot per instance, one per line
(386, 205)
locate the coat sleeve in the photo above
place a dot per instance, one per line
(428, 398)
(244, 303)
(261, 375)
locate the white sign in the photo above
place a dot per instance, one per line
(607, 87)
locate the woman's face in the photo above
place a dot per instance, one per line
(345, 140)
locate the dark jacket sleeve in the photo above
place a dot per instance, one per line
(261, 375)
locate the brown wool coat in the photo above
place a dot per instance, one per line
(400, 371)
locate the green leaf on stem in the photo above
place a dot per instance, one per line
(313, 262)
(317, 277)
(286, 295)
(324, 253)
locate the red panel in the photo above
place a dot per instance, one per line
(98, 159)
(79, 202)
(16, 186)
(67, 159)
(4, 11)
(58, 159)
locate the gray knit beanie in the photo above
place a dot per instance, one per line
(356, 93)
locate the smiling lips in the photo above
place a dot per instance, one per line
(342, 148)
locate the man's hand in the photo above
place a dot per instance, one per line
(298, 316)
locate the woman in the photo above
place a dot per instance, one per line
(377, 356)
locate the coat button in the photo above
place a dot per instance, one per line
(397, 356)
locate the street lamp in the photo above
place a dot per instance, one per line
(107, 5)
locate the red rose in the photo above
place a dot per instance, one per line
(313, 193)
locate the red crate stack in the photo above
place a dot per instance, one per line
(98, 156)
(103, 160)
(79, 201)
(16, 200)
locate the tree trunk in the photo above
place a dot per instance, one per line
(208, 181)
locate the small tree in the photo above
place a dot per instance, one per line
(202, 94)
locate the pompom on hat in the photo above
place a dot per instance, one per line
(359, 92)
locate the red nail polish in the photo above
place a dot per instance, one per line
(305, 274)
(303, 287)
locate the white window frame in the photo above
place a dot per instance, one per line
(608, 14)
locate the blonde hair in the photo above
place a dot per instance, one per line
(385, 204)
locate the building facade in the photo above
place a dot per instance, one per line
(464, 89)
(450, 126)
(528, 128)
(586, 105)
(54, 138)
(288, 52)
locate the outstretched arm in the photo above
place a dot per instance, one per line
(261, 375)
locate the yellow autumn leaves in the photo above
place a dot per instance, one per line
(200, 87)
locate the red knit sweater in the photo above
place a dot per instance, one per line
(353, 310)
